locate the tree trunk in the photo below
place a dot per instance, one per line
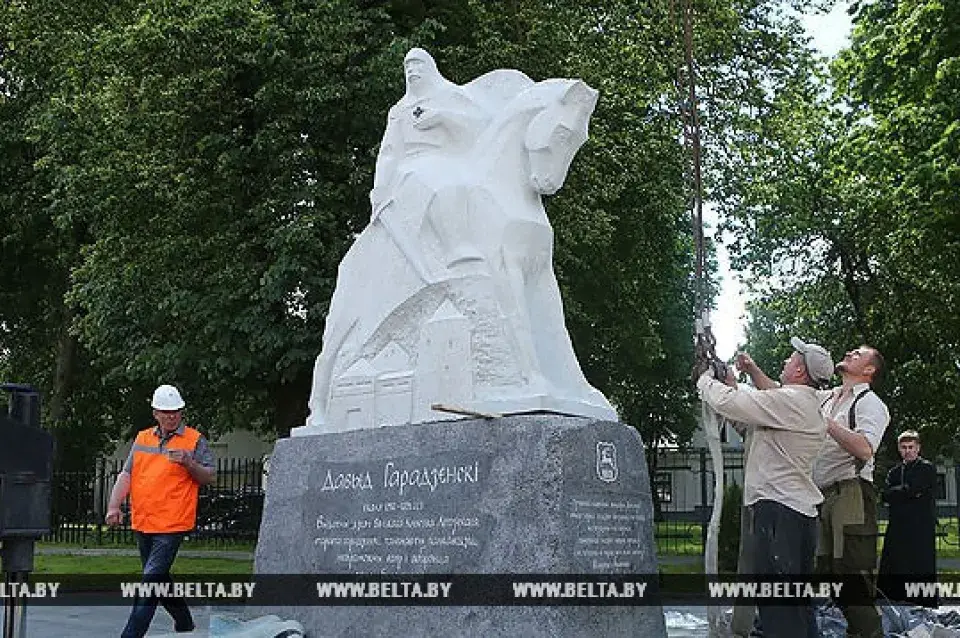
(853, 290)
(66, 361)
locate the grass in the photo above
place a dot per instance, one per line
(681, 538)
(193, 544)
(61, 564)
(678, 538)
(80, 564)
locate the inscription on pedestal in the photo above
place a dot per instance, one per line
(523, 495)
(400, 515)
(606, 533)
(606, 520)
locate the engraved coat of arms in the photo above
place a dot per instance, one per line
(607, 470)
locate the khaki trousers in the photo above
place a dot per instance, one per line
(848, 547)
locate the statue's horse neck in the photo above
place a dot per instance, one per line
(501, 148)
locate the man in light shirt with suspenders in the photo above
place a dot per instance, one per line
(856, 420)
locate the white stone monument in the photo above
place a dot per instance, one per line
(449, 295)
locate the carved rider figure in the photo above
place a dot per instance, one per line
(434, 114)
(429, 133)
(464, 308)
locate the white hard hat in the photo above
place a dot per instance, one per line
(167, 397)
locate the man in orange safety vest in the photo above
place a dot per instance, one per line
(162, 475)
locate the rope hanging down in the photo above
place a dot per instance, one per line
(705, 348)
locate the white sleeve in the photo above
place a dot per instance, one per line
(872, 419)
(775, 408)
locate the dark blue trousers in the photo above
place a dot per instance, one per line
(784, 544)
(157, 553)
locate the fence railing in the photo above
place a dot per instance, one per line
(228, 511)
(682, 486)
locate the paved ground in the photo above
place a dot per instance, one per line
(102, 622)
(107, 622)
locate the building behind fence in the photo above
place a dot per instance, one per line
(682, 486)
(229, 511)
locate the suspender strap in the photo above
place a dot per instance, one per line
(851, 421)
(852, 417)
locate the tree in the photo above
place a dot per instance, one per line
(196, 172)
(860, 217)
(39, 238)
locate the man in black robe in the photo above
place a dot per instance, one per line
(909, 546)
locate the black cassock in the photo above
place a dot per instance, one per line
(909, 545)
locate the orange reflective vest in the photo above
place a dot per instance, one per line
(163, 495)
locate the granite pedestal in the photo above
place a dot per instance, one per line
(531, 494)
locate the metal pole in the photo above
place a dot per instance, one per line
(15, 609)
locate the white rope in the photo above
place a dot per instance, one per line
(705, 340)
(712, 422)
(711, 426)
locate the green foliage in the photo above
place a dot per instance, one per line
(181, 181)
(860, 223)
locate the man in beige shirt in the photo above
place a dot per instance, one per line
(787, 433)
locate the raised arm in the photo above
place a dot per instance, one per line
(872, 419)
(776, 408)
(853, 442)
(761, 381)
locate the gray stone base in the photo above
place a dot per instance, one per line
(532, 494)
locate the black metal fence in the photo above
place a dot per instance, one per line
(228, 512)
(682, 489)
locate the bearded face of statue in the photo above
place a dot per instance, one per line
(420, 71)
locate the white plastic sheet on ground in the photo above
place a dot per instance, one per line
(899, 621)
(230, 626)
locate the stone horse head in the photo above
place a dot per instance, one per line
(549, 119)
(557, 132)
